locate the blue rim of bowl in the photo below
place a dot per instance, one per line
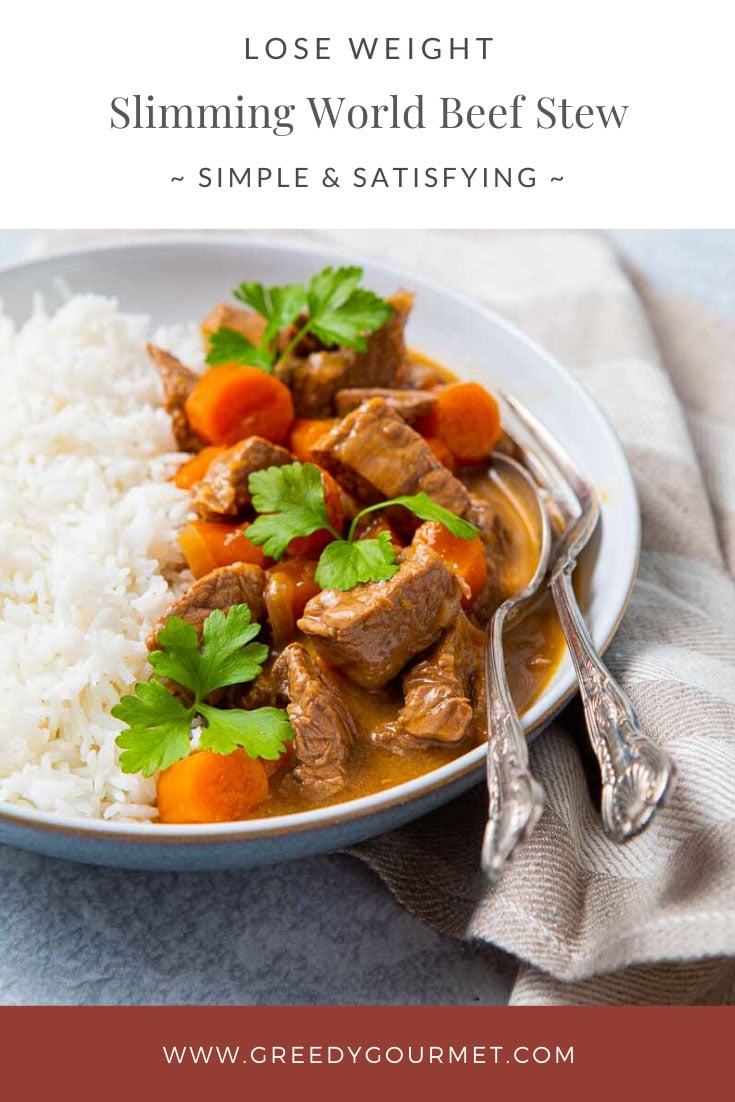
(472, 762)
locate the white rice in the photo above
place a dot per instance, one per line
(88, 522)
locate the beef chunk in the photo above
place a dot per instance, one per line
(411, 404)
(323, 727)
(241, 583)
(384, 359)
(224, 489)
(373, 630)
(316, 378)
(500, 550)
(261, 693)
(178, 382)
(441, 689)
(374, 454)
(247, 322)
(421, 375)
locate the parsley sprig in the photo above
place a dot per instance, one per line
(332, 306)
(290, 503)
(159, 723)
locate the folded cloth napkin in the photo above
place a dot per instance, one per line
(592, 922)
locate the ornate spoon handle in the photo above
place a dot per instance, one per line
(637, 775)
(516, 800)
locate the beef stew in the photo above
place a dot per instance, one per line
(370, 634)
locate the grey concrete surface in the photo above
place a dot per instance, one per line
(318, 931)
(324, 930)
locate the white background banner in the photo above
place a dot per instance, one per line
(525, 113)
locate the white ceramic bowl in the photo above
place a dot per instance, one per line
(175, 279)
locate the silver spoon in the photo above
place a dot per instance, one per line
(515, 799)
(638, 775)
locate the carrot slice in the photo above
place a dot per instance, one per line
(211, 788)
(465, 557)
(194, 469)
(466, 418)
(230, 402)
(289, 585)
(305, 432)
(208, 544)
(310, 547)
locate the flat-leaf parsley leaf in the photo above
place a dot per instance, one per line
(228, 346)
(343, 565)
(158, 729)
(342, 313)
(262, 732)
(290, 503)
(159, 723)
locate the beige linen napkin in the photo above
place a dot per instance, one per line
(592, 922)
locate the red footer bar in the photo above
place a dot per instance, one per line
(350, 1053)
